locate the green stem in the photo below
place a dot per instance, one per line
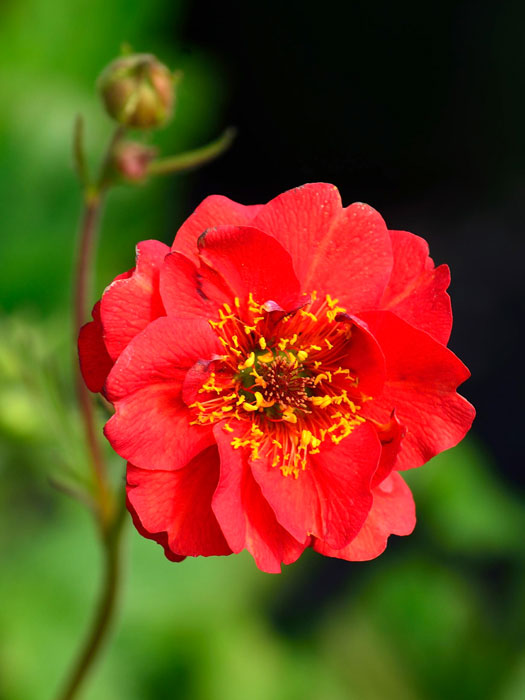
(105, 611)
(109, 518)
(192, 159)
(79, 156)
(93, 200)
(88, 235)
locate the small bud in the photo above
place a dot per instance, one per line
(131, 160)
(138, 91)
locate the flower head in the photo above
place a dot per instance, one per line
(271, 373)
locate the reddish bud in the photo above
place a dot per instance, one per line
(131, 160)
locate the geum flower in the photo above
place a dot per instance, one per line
(272, 373)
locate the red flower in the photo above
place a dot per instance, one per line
(272, 373)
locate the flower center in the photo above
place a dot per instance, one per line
(286, 384)
(282, 386)
(279, 378)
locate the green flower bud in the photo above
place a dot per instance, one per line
(138, 91)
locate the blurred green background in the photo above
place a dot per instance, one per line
(440, 614)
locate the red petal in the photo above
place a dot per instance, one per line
(213, 211)
(344, 252)
(390, 435)
(178, 503)
(250, 261)
(129, 304)
(195, 377)
(188, 291)
(245, 517)
(95, 363)
(301, 220)
(332, 497)
(416, 290)
(162, 353)
(161, 537)
(364, 358)
(151, 427)
(393, 512)
(422, 376)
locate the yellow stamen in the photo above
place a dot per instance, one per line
(249, 362)
(306, 438)
(289, 416)
(268, 357)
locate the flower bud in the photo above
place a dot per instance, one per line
(131, 160)
(137, 91)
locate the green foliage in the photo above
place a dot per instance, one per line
(469, 509)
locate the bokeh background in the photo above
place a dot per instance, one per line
(414, 108)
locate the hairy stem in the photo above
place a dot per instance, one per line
(87, 241)
(192, 159)
(79, 156)
(93, 200)
(104, 613)
(109, 518)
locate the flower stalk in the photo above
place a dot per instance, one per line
(109, 519)
(106, 607)
(93, 201)
(189, 160)
(109, 507)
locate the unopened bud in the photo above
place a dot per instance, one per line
(138, 91)
(131, 160)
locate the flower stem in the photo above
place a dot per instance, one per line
(105, 610)
(109, 518)
(93, 200)
(88, 235)
(79, 156)
(192, 159)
